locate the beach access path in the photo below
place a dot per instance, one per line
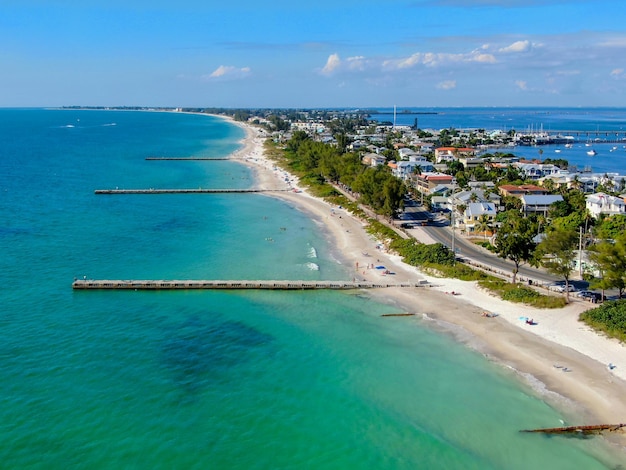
(565, 361)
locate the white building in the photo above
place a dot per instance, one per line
(601, 203)
(538, 204)
(475, 211)
(536, 171)
(404, 169)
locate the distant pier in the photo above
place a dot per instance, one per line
(107, 284)
(185, 191)
(187, 158)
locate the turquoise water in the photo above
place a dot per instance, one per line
(215, 379)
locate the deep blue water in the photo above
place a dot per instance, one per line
(590, 123)
(215, 379)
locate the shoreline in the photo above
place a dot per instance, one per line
(560, 358)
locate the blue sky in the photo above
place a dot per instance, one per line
(322, 53)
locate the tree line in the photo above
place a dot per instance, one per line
(550, 241)
(375, 187)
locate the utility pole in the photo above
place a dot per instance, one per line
(452, 221)
(580, 253)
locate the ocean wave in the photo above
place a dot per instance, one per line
(312, 266)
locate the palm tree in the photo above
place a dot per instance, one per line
(548, 183)
(484, 224)
(576, 183)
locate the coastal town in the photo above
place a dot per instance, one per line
(472, 178)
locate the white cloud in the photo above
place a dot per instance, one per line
(616, 41)
(521, 85)
(484, 58)
(432, 59)
(518, 46)
(356, 63)
(617, 73)
(332, 64)
(447, 85)
(228, 71)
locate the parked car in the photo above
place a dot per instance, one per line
(589, 295)
(561, 288)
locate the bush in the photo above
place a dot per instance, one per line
(486, 244)
(415, 253)
(382, 231)
(519, 293)
(609, 318)
(463, 272)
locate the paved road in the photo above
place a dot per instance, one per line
(438, 229)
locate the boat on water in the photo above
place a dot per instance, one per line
(592, 153)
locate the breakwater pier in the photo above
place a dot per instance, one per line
(187, 158)
(185, 191)
(107, 284)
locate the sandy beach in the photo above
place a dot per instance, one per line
(564, 361)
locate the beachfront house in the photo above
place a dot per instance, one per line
(424, 147)
(535, 171)
(439, 203)
(477, 212)
(522, 190)
(405, 169)
(405, 153)
(603, 204)
(427, 181)
(476, 196)
(373, 159)
(584, 183)
(472, 162)
(481, 185)
(449, 154)
(538, 204)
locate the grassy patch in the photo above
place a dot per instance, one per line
(485, 244)
(519, 293)
(609, 318)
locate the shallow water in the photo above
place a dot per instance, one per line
(215, 379)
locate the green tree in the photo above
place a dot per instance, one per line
(484, 225)
(549, 184)
(609, 256)
(342, 141)
(393, 192)
(556, 253)
(514, 240)
(380, 190)
(610, 227)
(569, 222)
